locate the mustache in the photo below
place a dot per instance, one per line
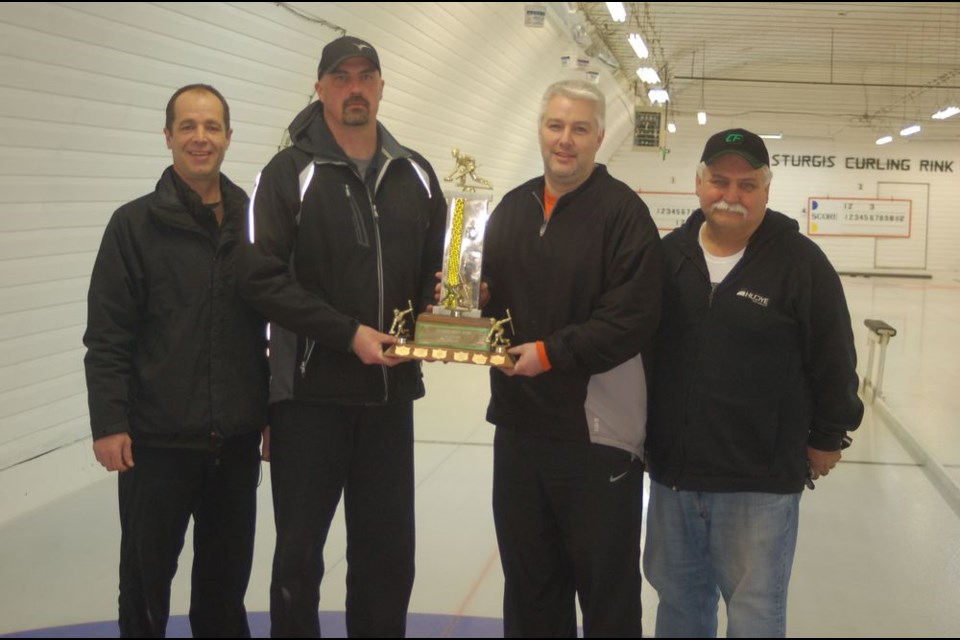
(356, 100)
(735, 208)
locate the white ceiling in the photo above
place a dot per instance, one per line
(849, 70)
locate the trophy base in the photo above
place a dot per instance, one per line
(413, 351)
(448, 339)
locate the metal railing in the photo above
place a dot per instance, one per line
(879, 333)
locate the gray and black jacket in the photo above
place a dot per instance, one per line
(332, 250)
(587, 284)
(174, 356)
(753, 371)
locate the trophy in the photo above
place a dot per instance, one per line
(455, 331)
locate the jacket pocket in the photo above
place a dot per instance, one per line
(734, 438)
(358, 227)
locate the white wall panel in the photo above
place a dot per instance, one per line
(45, 269)
(60, 398)
(37, 296)
(49, 242)
(39, 320)
(17, 355)
(40, 369)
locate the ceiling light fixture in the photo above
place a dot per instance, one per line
(636, 41)
(910, 130)
(658, 96)
(771, 136)
(702, 111)
(946, 112)
(671, 125)
(649, 75)
(618, 13)
(887, 139)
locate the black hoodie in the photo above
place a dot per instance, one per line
(333, 250)
(749, 374)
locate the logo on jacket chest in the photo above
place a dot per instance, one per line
(755, 298)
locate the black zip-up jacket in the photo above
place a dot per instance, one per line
(174, 356)
(750, 373)
(333, 250)
(587, 284)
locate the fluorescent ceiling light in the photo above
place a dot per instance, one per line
(648, 75)
(701, 117)
(617, 11)
(636, 41)
(909, 131)
(885, 139)
(946, 112)
(771, 136)
(658, 96)
(672, 128)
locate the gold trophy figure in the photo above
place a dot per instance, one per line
(399, 326)
(466, 168)
(498, 343)
(495, 338)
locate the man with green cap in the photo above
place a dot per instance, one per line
(755, 388)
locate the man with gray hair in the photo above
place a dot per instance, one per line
(755, 389)
(575, 257)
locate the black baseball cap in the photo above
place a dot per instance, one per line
(745, 144)
(343, 48)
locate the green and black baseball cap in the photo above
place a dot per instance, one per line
(745, 144)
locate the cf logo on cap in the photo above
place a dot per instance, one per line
(734, 137)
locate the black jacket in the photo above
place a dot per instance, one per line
(752, 372)
(587, 284)
(173, 353)
(332, 251)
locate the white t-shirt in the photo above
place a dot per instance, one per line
(718, 266)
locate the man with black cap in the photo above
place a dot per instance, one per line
(754, 391)
(348, 226)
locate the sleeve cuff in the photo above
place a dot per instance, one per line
(542, 354)
(825, 442)
(102, 431)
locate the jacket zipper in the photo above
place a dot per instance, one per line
(675, 481)
(217, 245)
(376, 235)
(543, 210)
(307, 352)
(213, 314)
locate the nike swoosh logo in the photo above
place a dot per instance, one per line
(619, 477)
